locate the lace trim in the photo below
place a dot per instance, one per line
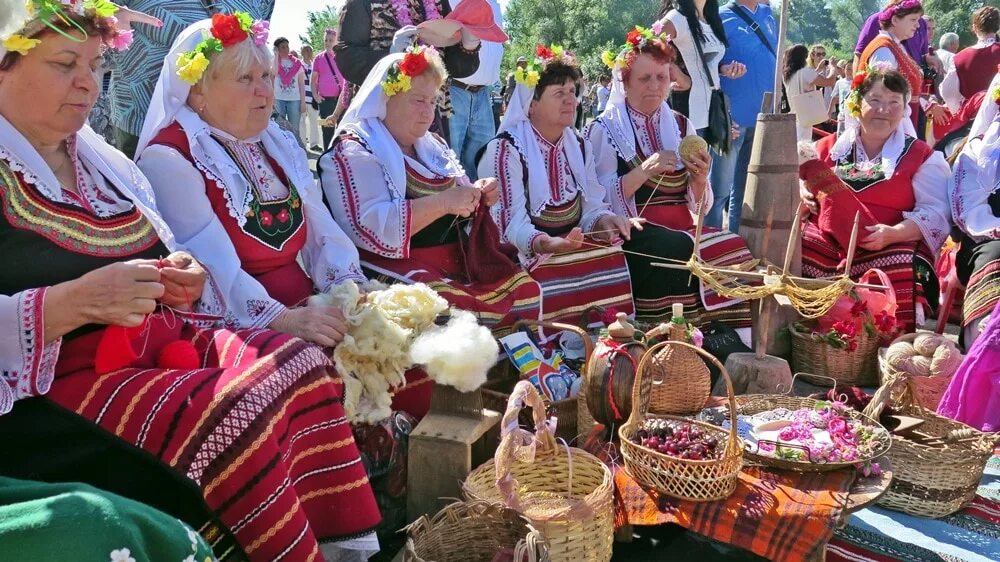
(227, 194)
(38, 358)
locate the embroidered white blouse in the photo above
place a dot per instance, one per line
(647, 134)
(373, 212)
(502, 160)
(328, 256)
(971, 188)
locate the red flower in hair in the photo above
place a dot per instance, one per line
(228, 30)
(856, 82)
(633, 37)
(413, 64)
(544, 52)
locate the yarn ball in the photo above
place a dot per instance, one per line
(691, 144)
(928, 355)
(179, 354)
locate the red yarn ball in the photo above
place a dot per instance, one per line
(179, 354)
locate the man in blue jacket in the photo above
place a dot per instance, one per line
(753, 37)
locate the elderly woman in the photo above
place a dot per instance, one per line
(400, 193)
(552, 208)
(899, 21)
(114, 384)
(895, 182)
(635, 144)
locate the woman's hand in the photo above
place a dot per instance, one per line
(612, 228)
(938, 113)
(461, 200)
(733, 70)
(546, 244)
(881, 235)
(121, 293)
(183, 279)
(127, 17)
(698, 166)
(320, 324)
(490, 189)
(659, 163)
(808, 199)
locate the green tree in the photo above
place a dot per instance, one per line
(586, 27)
(955, 16)
(319, 20)
(811, 22)
(850, 16)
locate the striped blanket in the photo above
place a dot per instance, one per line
(970, 535)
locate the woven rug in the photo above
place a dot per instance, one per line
(970, 535)
(782, 516)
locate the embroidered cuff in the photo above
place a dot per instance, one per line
(38, 359)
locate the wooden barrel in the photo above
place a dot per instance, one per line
(769, 205)
(610, 376)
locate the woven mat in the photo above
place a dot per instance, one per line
(971, 535)
(782, 516)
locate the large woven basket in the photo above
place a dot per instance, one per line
(692, 480)
(927, 391)
(931, 479)
(681, 381)
(573, 414)
(811, 355)
(473, 531)
(565, 492)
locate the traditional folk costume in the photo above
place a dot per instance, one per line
(975, 206)
(964, 88)
(551, 189)
(38, 520)
(369, 185)
(622, 138)
(888, 50)
(238, 435)
(907, 181)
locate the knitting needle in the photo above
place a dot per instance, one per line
(697, 230)
(853, 245)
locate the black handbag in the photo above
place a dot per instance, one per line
(718, 133)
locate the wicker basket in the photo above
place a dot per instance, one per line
(704, 480)
(573, 414)
(473, 532)
(565, 492)
(926, 390)
(681, 381)
(931, 479)
(750, 404)
(849, 368)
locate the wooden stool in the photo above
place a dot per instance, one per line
(457, 435)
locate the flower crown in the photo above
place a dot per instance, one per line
(853, 100)
(46, 12)
(413, 64)
(227, 30)
(635, 40)
(886, 14)
(532, 72)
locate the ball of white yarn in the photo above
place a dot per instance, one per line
(928, 355)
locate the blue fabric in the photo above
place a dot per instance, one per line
(747, 92)
(471, 127)
(729, 178)
(290, 110)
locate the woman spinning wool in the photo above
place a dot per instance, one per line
(216, 427)
(975, 206)
(635, 146)
(400, 193)
(898, 185)
(552, 208)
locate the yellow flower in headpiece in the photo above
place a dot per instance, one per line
(18, 43)
(996, 94)
(101, 8)
(190, 67)
(529, 77)
(608, 58)
(557, 51)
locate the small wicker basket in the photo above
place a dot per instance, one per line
(926, 390)
(473, 531)
(704, 480)
(850, 368)
(565, 492)
(681, 381)
(936, 478)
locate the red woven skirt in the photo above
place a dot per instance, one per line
(259, 428)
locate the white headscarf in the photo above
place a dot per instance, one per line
(517, 124)
(618, 123)
(363, 119)
(169, 104)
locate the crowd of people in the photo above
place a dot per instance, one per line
(158, 341)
